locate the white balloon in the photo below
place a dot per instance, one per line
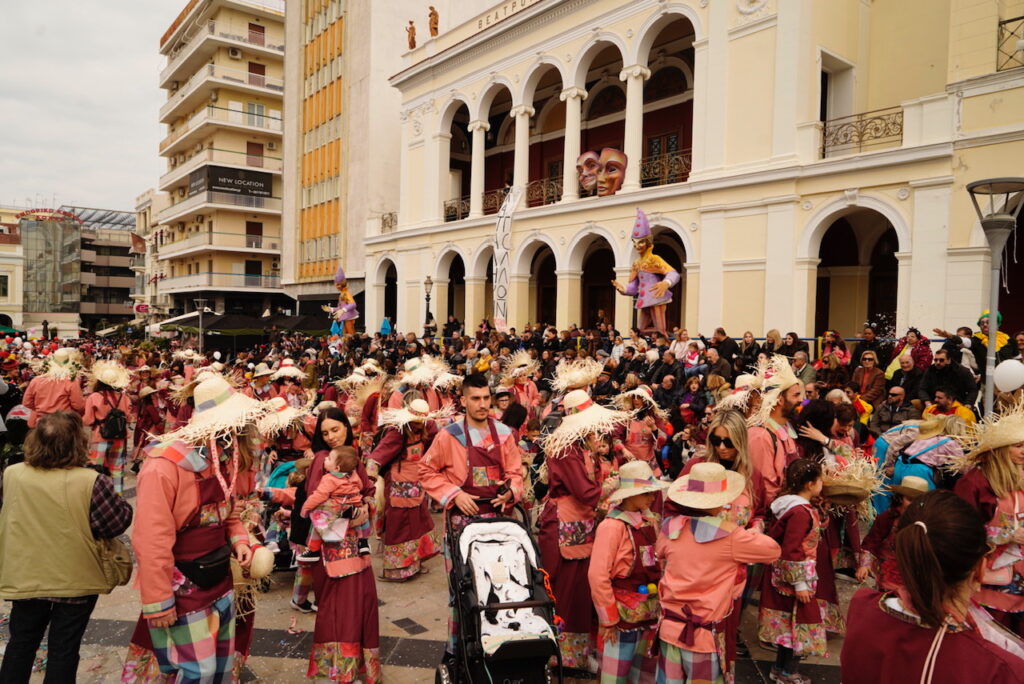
(1009, 376)
(216, 355)
(17, 342)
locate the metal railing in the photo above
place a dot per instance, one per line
(219, 197)
(662, 169)
(210, 154)
(543, 191)
(220, 30)
(197, 280)
(220, 240)
(388, 222)
(224, 74)
(849, 134)
(456, 209)
(213, 113)
(1011, 34)
(492, 200)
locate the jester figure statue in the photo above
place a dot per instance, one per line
(650, 279)
(344, 315)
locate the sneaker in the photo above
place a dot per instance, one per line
(308, 557)
(306, 606)
(364, 547)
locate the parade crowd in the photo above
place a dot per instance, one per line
(668, 484)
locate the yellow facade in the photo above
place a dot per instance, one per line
(824, 185)
(220, 237)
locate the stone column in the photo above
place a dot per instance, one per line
(569, 296)
(518, 301)
(475, 304)
(439, 303)
(624, 306)
(634, 76)
(573, 98)
(521, 115)
(476, 175)
(438, 186)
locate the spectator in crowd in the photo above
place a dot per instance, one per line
(667, 395)
(748, 350)
(956, 380)
(869, 342)
(869, 378)
(945, 404)
(804, 371)
(894, 410)
(718, 365)
(917, 346)
(908, 376)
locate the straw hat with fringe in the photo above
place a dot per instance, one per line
(519, 364)
(323, 406)
(992, 432)
(188, 354)
(576, 374)
(357, 378)
(60, 365)
(625, 401)
(853, 483)
(146, 391)
(361, 394)
(371, 368)
(911, 486)
(636, 477)
(773, 377)
(448, 381)
(288, 369)
(582, 417)
(261, 370)
(219, 411)
(280, 416)
(111, 374)
(418, 411)
(423, 371)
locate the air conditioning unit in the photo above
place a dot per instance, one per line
(275, 265)
(181, 192)
(235, 53)
(214, 94)
(272, 145)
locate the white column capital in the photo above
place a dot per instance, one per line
(635, 71)
(442, 136)
(475, 280)
(568, 274)
(522, 110)
(478, 125)
(572, 93)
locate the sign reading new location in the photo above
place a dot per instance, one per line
(235, 181)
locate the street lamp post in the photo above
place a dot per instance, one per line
(428, 326)
(997, 225)
(200, 305)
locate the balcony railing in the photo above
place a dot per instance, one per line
(1011, 34)
(220, 30)
(220, 240)
(456, 209)
(493, 199)
(388, 222)
(217, 280)
(543, 191)
(852, 134)
(212, 113)
(219, 197)
(207, 155)
(663, 169)
(224, 75)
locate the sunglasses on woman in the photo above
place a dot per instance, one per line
(720, 441)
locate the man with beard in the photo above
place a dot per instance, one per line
(771, 438)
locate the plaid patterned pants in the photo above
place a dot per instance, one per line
(679, 666)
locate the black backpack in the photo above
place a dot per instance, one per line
(115, 425)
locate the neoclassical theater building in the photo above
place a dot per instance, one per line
(803, 162)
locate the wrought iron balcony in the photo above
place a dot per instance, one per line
(493, 199)
(662, 169)
(456, 209)
(852, 134)
(543, 191)
(1011, 35)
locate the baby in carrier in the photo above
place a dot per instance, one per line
(331, 507)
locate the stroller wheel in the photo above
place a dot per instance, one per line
(442, 675)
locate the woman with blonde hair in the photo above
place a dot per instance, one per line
(994, 484)
(772, 342)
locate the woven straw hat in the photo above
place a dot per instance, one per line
(911, 486)
(519, 364)
(189, 354)
(423, 371)
(111, 373)
(288, 369)
(357, 378)
(636, 477)
(448, 381)
(146, 391)
(418, 411)
(219, 411)
(582, 417)
(773, 378)
(323, 406)
(576, 374)
(280, 416)
(261, 370)
(993, 432)
(709, 485)
(931, 426)
(625, 400)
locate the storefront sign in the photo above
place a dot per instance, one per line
(502, 11)
(235, 181)
(48, 215)
(142, 308)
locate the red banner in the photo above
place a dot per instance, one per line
(138, 244)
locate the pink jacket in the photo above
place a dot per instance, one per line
(445, 465)
(347, 489)
(97, 408)
(47, 395)
(612, 556)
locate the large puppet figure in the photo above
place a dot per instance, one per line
(650, 279)
(345, 313)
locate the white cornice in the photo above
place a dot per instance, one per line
(989, 83)
(753, 27)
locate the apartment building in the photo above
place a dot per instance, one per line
(219, 238)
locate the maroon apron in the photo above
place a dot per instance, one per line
(204, 533)
(635, 608)
(486, 468)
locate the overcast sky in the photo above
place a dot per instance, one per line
(79, 100)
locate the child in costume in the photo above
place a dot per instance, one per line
(878, 550)
(331, 506)
(623, 578)
(790, 616)
(703, 554)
